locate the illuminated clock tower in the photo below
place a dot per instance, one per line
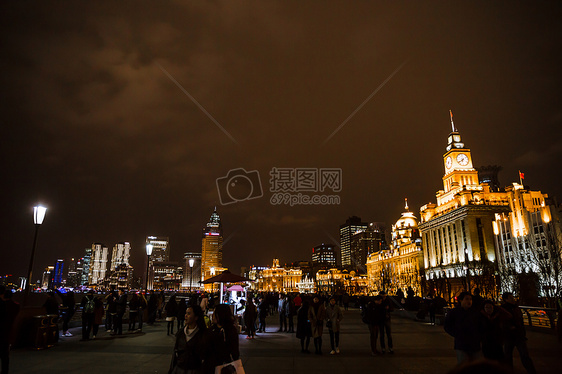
(459, 171)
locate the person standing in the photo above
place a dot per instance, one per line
(171, 314)
(204, 303)
(134, 306)
(8, 312)
(304, 329)
(98, 315)
(189, 347)
(262, 314)
(142, 307)
(110, 299)
(69, 307)
(431, 308)
(250, 314)
(492, 341)
(88, 305)
(282, 309)
(465, 325)
(120, 308)
(333, 317)
(385, 326)
(223, 345)
(345, 301)
(291, 311)
(151, 307)
(514, 334)
(316, 315)
(373, 315)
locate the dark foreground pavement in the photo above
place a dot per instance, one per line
(419, 347)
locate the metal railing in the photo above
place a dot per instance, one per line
(539, 317)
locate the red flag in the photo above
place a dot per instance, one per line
(521, 175)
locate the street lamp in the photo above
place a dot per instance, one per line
(38, 217)
(148, 254)
(191, 262)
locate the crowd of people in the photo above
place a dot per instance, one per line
(482, 329)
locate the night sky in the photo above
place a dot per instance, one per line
(95, 126)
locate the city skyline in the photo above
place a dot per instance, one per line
(98, 130)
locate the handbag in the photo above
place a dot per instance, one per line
(232, 367)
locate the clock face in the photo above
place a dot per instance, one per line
(462, 159)
(448, 162)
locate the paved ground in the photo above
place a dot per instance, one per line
(420, 348)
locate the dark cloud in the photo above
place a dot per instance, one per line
(95, 129)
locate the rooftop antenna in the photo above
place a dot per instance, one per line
(452, 124)
(406, 199)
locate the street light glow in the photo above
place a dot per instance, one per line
(39, 214)
(191, 262)
(149, 249)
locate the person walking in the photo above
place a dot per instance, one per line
(142, 307)
(373, 316)
(182, 309)
(316, 315)
(333, 317)
(88, 305)
(514, 334)
(282, 309)
(431, 308)
(222, 352)
(68, 309)
(345, 301)
(304, 329)
(385, 326)
(465, 325)
(189, 347)
(291, 311)
(120, 308)
(262, 314)
(134, 306)
(171, 314)
(250, 314)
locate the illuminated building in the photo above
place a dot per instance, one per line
(401, 266)
(191, 274)
(47, 279)
(160, 248)
(73, 275)
(58, 273)
(337, 281)
(120, 255)
(98, 264)
(365, 242)
(121, 277)
(85, 264)
(165, 275)
(528, 242)
(324, 255)
(275, 278)
(211, 247)
(350, 227)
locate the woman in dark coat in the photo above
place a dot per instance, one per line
(182, 309)
(171, 313)
(492, 342)
(189, 347)
(223, 347)
(304, 329)
(250, 315)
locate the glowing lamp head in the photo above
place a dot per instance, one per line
(39, 214)
(149, 249)
(191, 262)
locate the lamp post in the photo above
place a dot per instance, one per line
(191, 263)
(148, 254)
(467, 268)
(38, 217)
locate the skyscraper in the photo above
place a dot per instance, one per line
(58, 273)
(160, 248)
(324, 255)
(350, 227)
(211, 247)
(120, 255)
(85, 262)
(192, 274)
(98, 263)
(365, 242)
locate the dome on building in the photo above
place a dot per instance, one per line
(407, 219)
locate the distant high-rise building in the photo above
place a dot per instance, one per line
(211, 248)
(47, 279)
(350, 227)
(120, 255)
(86, 260)
(160, 248)
(58, 273)
(192, 270)
(324, 255)
(365, 242)
(72, 275)
(98, 263)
